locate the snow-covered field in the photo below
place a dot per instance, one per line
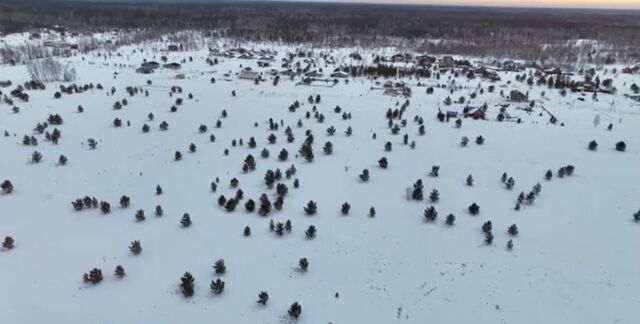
(575, 259)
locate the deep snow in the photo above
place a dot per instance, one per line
(574, 261)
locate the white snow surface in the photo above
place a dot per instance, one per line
(575, 259)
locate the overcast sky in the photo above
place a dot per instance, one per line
(614, 4)
(633, 4)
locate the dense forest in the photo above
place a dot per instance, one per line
(502, 32)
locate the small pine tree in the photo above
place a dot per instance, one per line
(311, 208)
(265, 205)
(372, 212)
(94, 276)
(548, 175)
(295, 310)
(247, 231)
(310, 232)
(621, 146)
(304, 264)
(521, 197)
(7, 187)
(279, 229)
(186, 220)
(504, 177)
(435, 171)
(178, 156)
(464, 141)
(383, 162)
(284, 155)
(430, 213)
(231, 204)
(119, 272)
(124, 201)
(328, 148)
(250, 205)
(487, 227)
(417, 193)
(222, 200)
(159, 212)
(36, 157)
(8, 243)
(510, 245)
(219, 267)
(530, 198)
(513, 230)
(217, 286)
(434, 196)
(345, 208)
(561, 172)
(140, 215)
(474, 209)
(135, 247)
(480, 140)
(187, 285)
(62, 160)
(510, 183)
(469, 180)
(636, 216)
(263, 297)
(450, 219)
(569, 169)
(105, 207)
(488, 238)
(287, 226)
(593, 145)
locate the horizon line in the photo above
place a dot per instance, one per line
(401, 3)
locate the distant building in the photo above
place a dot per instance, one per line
(151, 65)
(248, 74)
(339, 74)
(355, 56)
(173, 48)
(313, 74)
(144, 70)
(172, 66)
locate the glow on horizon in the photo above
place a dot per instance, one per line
(596, 4)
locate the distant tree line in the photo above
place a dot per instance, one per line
(539, 34)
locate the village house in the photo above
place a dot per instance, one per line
(337, 73)
(144, 70)
(172, 66)
(425, 60)
(355, 56)
(248, 74)
(150, 65)
(288, 72)
(313, 74)
(446, 62)
(474, 112)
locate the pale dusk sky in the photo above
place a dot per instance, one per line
(616, 4)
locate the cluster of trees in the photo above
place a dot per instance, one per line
(49, 69)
